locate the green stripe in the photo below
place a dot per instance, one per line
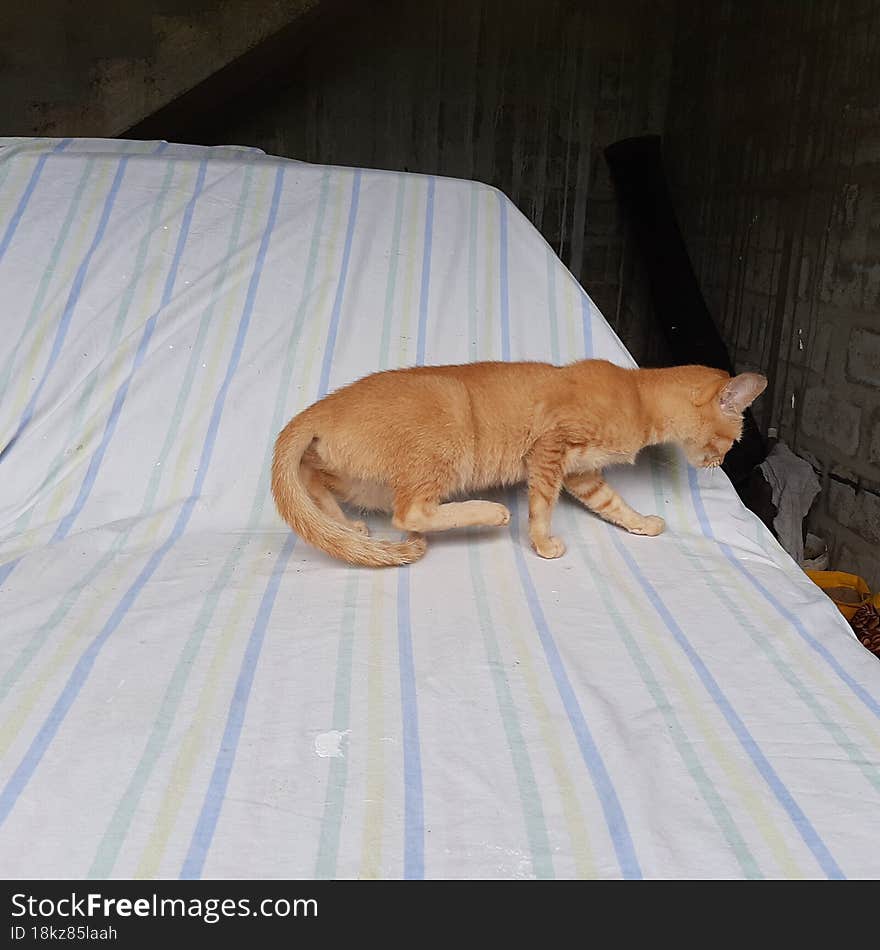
(4, 170)
(683, 745)
(114, 835)
(662, 701)
(48, 272)
(337, 776)
(334, 796)
(117, 829)
(32, 648)
(76, 427)
(855, 754)
(385, 341)
(530, 796)
(473, 328)
(551, 305)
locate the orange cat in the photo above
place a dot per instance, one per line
(407, 440)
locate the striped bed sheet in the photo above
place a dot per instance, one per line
(186, 690)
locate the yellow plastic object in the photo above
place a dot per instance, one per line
(828, 580)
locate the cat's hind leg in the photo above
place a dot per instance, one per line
(591, 489)
(326, 500)
(421, 515)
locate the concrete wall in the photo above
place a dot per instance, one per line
(773, 140)
(522, 94)
(95, 67)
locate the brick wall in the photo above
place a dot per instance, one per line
(773, 144)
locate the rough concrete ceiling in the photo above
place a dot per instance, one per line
(96, 69)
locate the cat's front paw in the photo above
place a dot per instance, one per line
(361, 528)
(501, 513)
(651, 526)
(549, 547)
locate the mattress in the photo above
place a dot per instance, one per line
(187, 690)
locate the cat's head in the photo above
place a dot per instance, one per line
(716, 419)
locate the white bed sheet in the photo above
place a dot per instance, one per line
(186, 690)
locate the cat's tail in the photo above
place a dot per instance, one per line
(297, 507)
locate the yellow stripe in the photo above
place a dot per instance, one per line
(109, 381)
(575, 822)
(53, 314)
(827, 688)
(22, 169)
(409, 305)
(574, 347)
(492, 244)
(371, 852)
(649, 627)
(188, 438)
(190, 432)
(582, 852)
(374, 813)
(75, 635)
(192, 744)
(181, 772)
(11, 726)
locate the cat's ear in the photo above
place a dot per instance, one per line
(709, 392)
(737, 394)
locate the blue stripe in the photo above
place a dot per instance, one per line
(414, 809)
(614, 816)
(26, 197)
(72, 299)
(783, 796)
(28, 765)
(783, 611)
(426, 274)
(212, 805)
(588, 325)
(97, 458)
(210, 813)
(505, 301)
(340, 288)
